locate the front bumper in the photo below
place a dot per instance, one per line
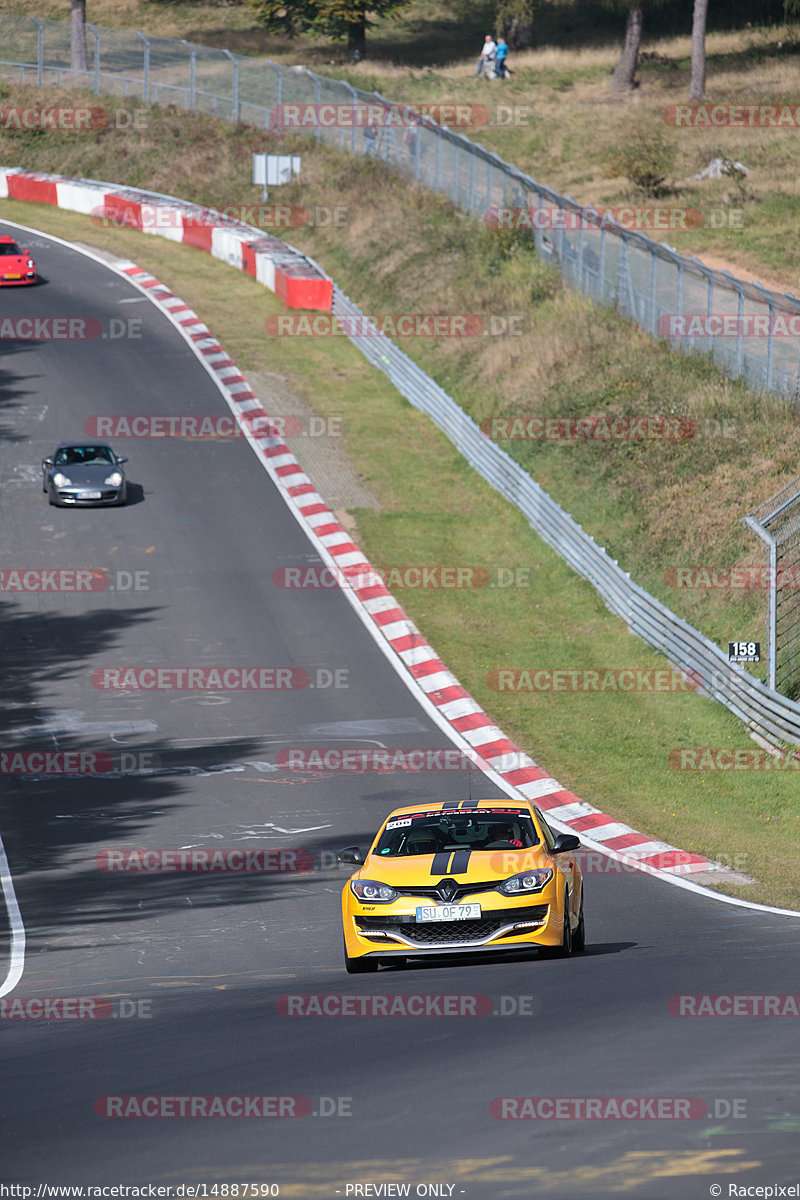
(71, 497)
(28, 277)
(384, 934)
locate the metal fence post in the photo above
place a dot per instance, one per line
(145, 67)
(317, 102)
(39, 50)
(772, 595)
(234, 85)
(96, 69)
(354, 102)
(580, 249)
(192, 68)
(653, 302)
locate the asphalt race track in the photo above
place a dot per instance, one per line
(195, 965)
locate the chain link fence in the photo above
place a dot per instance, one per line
(741, 325)
(777, 522)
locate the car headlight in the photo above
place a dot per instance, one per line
(115, 478)
(526, 881)
(61, 480)
(31, 265)
(372, 892)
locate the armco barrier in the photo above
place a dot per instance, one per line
(766, 714)
(284, 270)
(645, 279)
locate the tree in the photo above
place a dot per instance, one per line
(697, 83)
(624, 77)
(77, 36)
(335, 19)
(515, 19)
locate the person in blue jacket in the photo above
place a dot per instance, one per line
(501, 53)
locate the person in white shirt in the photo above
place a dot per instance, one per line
(487, 53)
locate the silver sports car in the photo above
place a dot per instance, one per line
(84, 473)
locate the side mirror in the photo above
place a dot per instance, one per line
(566, 841)
(47, 462)
(121, 458)
(351, 854)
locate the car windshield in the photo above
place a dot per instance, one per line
(83, 456)
(9, 248)
(431, 833)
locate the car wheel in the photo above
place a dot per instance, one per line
(359, 966)
(565, 949)
(579, 936)
(51, 498)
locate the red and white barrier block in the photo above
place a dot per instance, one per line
(284, 270)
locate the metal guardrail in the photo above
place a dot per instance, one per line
(643, 278)
(436, 160)
(768, 715)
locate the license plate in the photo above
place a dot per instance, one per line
(89, 495)
(448, 912)
(12, 277)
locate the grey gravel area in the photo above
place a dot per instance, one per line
(321, 454)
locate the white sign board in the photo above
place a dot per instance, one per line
(272, 169)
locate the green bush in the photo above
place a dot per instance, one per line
(646, 160)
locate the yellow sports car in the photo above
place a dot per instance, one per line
(462, 876)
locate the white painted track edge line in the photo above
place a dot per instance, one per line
(15, 924)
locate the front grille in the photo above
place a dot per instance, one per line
(452, 933)
(429, 891)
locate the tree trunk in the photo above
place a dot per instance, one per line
(697, 83)
(623, 79)
(78, 52)
(356, 41)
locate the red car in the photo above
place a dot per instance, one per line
(16, 266)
